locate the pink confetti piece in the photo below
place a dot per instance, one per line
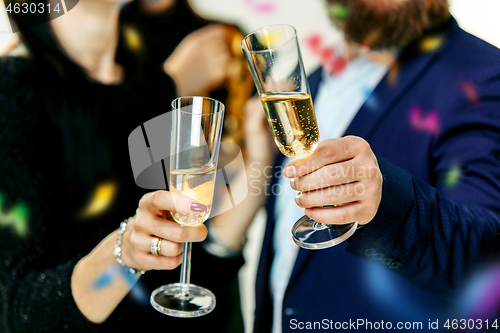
(263, 8)
(428, 123)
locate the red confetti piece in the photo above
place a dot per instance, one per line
(470, 91)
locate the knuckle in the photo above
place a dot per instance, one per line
(143, 201)
(202, 234)
(371, 207)
(373, 189)
(328, 153)
(332, 194)
(172, 249)
(333, 172)
(171, 262)
(134, 240)
(342, 217)
(155, 199)
(360, 189)
(178, 233)
(177, 248)
(139, 224)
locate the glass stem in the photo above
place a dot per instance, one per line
(186, 265)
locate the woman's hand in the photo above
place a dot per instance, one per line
(200, 62)
(153, 219)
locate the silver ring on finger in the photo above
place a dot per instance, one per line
(156, 246)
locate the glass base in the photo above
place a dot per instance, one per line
(184, 301)
(312, 235)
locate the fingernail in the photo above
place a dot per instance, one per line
(293, 183)
(289, 171)
(297, 198)
(308, 211)
(197, 207)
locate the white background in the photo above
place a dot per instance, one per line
(479, 17)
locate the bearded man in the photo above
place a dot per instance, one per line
(419, 134)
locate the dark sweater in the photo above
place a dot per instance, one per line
(59, 139)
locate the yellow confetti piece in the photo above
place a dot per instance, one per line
(102, 197)
(132, 38)
(431, 43)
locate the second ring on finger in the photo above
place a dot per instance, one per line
(155, 247)
(164, 247)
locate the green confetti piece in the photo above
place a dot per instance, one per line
(17, 217)
(340, 12)
(20, 216)
(453, 175)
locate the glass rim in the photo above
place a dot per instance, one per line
(243, 43)
(222, 109)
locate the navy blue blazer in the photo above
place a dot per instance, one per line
(434, 124)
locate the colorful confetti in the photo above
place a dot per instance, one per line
(482, 296)
(313, 42)
(428, 123)
(137, 290)
(102, 197)
(469, 91)
(431, 43)
(330, 60)
(371, 100)
(263, 8)
(338, 11)
(452, 176)
(133, 38)
(17, 218)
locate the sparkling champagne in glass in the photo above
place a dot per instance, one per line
(274, 58)
(194, 151)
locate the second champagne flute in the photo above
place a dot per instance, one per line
(274, 58)
(194, 151)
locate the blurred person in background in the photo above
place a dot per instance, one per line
(66, 110)
(408, 111)
(150, 31)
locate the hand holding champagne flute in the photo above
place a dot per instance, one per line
(275, 61)
(196, 132)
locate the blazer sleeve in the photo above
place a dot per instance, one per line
(437, 235)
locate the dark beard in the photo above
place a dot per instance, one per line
(394, 24)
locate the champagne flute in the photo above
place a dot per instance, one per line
(274, 58)
(194, 151)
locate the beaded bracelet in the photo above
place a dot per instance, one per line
(118, 250)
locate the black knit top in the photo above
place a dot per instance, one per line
(60, 139)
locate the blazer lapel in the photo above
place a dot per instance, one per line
(402, 75)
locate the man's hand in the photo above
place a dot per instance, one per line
(343, 173)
